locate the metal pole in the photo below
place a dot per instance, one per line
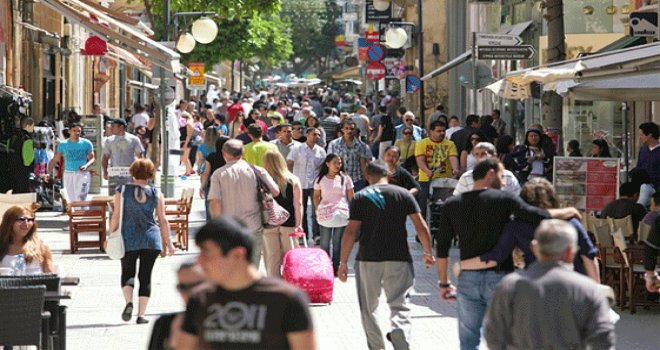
(420, 48)
(624, 111)
(165, 176)
(474, 73)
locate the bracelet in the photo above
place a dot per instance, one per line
(444, 285)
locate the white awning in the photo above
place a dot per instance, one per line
(449, 65)
(568, 74)
(640, 86)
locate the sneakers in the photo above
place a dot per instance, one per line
(128, 312)
(398, 339)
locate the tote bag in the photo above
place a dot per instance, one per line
(333, 214)
(272, 213)
(114, 244)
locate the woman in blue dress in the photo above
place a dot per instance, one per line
(141, 234)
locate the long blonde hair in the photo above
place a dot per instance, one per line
(276, 166)
(33, 247)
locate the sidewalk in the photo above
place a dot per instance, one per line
(94, 311)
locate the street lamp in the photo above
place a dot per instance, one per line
(204, 30)
(185, 43)
(396, 37)
(381, 5)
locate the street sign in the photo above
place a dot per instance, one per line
(485, 39)
(522, 52)
(373, 15)
(376, 53)
(376, 71)
(644, 24)
(363, 48)
(197, 79)
(372, 36)
(412, 83)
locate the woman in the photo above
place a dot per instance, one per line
(236, 124)
(140, 233)
(213, 162)
(573, 148)
(407, 147)
(398, 175)
(332, 186)
(467, 160)
(531, 157)
(141, 133)
(505, 147)
(206, 147)
(18, 235)
(276, 240)
(186, 129)
(600, 149)
(538, 192)
(313, 122)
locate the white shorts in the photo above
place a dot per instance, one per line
(76, 184)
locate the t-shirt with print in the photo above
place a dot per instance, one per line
(75, 153)
(333, 190)
(257, 317)
(437, 157)
(382, 211)
(122, 149)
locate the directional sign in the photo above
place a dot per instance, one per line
(376, 71)
(376, 53)
(484, 39)
(412, 83)
(522, 52)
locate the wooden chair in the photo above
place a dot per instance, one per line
(90, 217)
(625, 224)
(177, 211)
(593, 223)
(613, 265)
(643, 231)
(636, 283)
(603, 236)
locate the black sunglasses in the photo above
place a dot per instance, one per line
(184, 287)
(25, 220)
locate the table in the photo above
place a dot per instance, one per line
(70, 281)
(57, 296)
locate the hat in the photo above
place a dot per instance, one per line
(119, 121)
(295, 105)
(275, 115)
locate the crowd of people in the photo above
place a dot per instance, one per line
(352, 168)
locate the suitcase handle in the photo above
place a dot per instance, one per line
(297, 234)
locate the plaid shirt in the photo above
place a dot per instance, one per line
(351, 155)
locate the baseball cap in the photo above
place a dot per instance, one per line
(119, 121)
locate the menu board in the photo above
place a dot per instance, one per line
(586, 183)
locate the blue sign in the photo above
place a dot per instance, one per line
(376, 53)
(412, 83)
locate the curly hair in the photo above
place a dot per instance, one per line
(539, 192)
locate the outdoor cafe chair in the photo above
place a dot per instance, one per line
(636, 281)
(643, 231)
(626, 226)
(22, 317)
(177, 211)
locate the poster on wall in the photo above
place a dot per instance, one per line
(586, 183)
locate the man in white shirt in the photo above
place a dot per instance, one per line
(304, 160)
(140, 118)
(482, 151)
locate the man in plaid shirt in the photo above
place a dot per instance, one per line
(355, 153)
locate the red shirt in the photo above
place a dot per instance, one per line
(233, 109)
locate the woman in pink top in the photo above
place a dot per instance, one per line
(332, 188)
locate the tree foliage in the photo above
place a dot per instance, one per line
(246, 28)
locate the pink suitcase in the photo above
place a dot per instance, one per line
(311, 270)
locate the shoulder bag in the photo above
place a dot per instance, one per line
(272, 214)
(114, 244)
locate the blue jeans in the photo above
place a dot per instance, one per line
(475, 290)
(335, 235)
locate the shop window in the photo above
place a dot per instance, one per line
(588, 120)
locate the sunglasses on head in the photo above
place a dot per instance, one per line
(184, 287)
(25, 219)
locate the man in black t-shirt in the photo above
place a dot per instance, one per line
(239, 309)
(383, 261)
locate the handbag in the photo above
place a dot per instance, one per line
(272, 213)
(114, 244)
(333, 214)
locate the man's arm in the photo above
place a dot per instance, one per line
(91, 158)
(104, 165)
(442, 252)
(347, 242)
(421, 164)
(455, 170)
(55, 160)
(289, 164)
(215, 207)
(303, 340)
(424, 236)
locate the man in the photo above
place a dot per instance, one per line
(235, 108)
(383, 261)
(626, 205)
(329, 123)
(305, 160)
(453, 126)
(548, 305)
(238, 308)
(233, 191)
(140, 118)
(255, 150)
(462, 136)
(476, 237)
(436, 158)
(439, 111)
(78, 156)
(362, 122)
(285, 143)
(119, 151)
(649, 154)
(353, 152)
(481, 151)
(651, 252)
(298, 131)
(408, 120)
(275, 120)
(498, 123)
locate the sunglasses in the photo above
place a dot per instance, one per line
(184, 287)
(297, 129)
(25, 219)
(407, 133)
(408, 120)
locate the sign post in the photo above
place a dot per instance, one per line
(485, 39)
(520, 52)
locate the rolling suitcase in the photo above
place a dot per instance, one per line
(309, 269)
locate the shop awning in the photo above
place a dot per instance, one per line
(567, 74)
(640, 86)
(515, 29)
(624, 43)
(130, 38)
(449, 65)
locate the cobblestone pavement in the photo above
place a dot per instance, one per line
(94, 311)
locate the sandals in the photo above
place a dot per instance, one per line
(141, 320)
(128, 312)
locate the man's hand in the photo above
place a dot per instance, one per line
(429, 173)
(455, 172)
(448, 293)
(83, 168)
(105, 175)
(201, 193)
(429, 260)
(342, 272)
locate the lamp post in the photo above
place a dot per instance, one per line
(204, 31)
(420, 53)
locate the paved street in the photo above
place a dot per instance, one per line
(94, 311)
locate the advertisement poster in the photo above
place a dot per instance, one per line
(586, 183)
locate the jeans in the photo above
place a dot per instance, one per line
(334, 234)
(309, 193)
(475, 290)
(423, 196)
